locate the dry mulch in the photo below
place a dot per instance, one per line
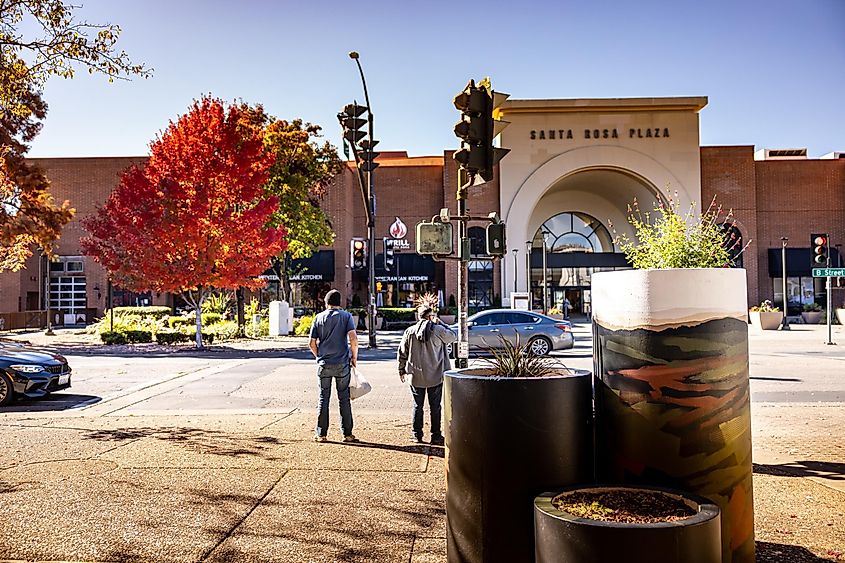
(624, 505)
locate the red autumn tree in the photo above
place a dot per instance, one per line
(196, 216)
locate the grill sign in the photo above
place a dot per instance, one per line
(398, 229)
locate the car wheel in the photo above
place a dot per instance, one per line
(539, 346)
(6, 390)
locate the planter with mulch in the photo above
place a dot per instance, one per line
(508, 439)
(632, 524)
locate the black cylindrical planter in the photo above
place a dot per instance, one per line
(508, 440)
(560, 536)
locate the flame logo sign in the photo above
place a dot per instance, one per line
(398, 229)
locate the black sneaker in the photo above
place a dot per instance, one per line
(417, 439)
(437, 440)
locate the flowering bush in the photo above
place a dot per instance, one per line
(665, 238)
(765, 307)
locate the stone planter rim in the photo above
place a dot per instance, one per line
(464, 374)
(707, 509)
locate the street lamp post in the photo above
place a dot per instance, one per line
(528, 247)
(371, 223)
(545, 273)
(785, 323)
(515, 268)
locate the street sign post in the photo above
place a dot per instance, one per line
(829, 273)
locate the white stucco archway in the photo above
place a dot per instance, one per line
(600, 181)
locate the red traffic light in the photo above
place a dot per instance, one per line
(820, 240)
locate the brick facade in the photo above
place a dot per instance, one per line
(769, 199)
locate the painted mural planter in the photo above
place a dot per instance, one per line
(561, 536)
(672, 389)
(508, 440)
(766, 320)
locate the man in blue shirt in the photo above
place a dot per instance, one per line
(335, 357)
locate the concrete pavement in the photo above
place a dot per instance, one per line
(212, 460)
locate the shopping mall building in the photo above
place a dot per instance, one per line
(574, 167)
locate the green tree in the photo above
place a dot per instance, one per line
(300, 177)
(40, 39)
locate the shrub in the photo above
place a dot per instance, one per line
(113, 338)
(667, 239)
(211, 318)
(398, 314)
(262, 330)
(176, 322)
(139, 336)
(303, 327)
(765, 307)
(813, 308)
(177, 337)
(218, 303)
(154, 312)
(226, 330)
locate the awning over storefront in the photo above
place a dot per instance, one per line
(318, 267)
(579, 259)
(798, 262)
(412, 268)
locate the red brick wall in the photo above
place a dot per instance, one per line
(729, 174)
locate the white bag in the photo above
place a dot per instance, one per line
(358, 386)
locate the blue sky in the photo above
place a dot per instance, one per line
(773, 70)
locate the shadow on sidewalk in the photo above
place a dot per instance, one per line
(194, 439)
(768, 552)
(426, 449)
(826, 469)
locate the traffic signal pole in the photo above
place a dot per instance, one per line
(372, 313)
(462, 357)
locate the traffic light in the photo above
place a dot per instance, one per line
(477, 129)
(367, 156)
(389, 254)
(358, 253)
(496, 244)
(352, 122)
(820, 244)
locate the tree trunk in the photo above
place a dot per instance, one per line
(239, 298)
(284, 279)
(198, 310)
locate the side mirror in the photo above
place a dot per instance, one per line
(470, 324)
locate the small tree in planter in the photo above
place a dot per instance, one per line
(516, 427)
(671, 363)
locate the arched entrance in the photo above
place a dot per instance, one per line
(581, 213)
(571, 245)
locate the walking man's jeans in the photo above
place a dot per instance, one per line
(340, 374)
(435, 394)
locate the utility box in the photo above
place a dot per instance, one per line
(281, 317)
(521, 300)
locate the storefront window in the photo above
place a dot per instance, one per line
(800, 291)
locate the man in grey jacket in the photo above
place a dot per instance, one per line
(423, 354)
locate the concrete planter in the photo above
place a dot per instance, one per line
(840, 316)
(672, 389)
(812, 317)
(766, 320)
(355, 320)
(561, 536)
(379, 322)
(508, 440)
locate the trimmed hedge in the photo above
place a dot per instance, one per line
(139, 336)
(155, 312)
(178, 337)
(390, 314)
(113, 338)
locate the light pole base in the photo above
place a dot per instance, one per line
(49, 332)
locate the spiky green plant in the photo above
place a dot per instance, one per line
(516, 360)
(217, 303)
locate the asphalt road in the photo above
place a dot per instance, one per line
(785, 367)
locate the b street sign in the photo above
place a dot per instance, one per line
(828, 272)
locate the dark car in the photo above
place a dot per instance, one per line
(31, 373)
